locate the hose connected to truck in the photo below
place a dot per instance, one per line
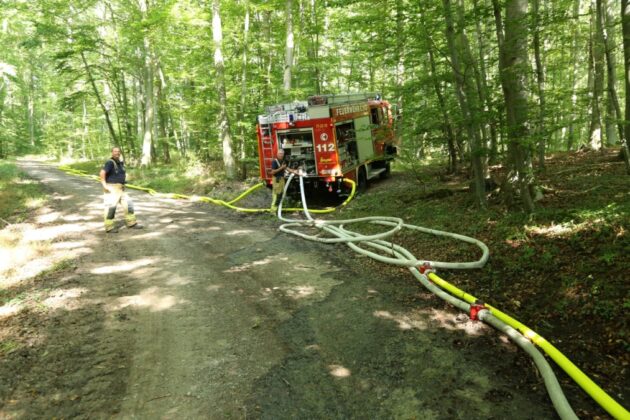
(425, 272)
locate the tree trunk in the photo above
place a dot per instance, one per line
(613, 110)
(149, 99)
(625, 27)
(224, 123)
(290, 45)
(540, 81)
(162, 121)
(487, 101)
(108, 120)
(597, 47)
(447, 126)
(243, 134)
(31, 106)
(465, 95)
(85, 131)
(315, 48)
(574, 75)
(131, 144)
(513, 69)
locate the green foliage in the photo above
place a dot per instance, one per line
(17, 193)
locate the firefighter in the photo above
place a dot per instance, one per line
(278, 169)
(113, 179)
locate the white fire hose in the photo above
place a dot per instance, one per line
(402, 257)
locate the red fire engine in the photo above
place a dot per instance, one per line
(329, 138)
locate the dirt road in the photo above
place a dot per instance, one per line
(210, 314)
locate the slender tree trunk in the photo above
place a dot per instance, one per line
(163, 111)
(149, 99)
(243, 134)
(400, 54)
(465, 96)
(84, 132)
(268, 24)
(31, 106)
(3, 93)
(446, 121)
(625, 27)
(597, 47)
(613, 114)
(315, 48)
(574, 75)
(129, 137)
(108, 120)
(540, 81)
(487, 101)
(513, 69)
(290, 45)
(224, 123)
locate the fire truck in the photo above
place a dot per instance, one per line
(329, 138)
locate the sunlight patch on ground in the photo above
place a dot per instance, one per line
(123, 266)
(434, 318)
(25, 252)
(147, 235)
(68, 245)
(64, 299)
(461, 322)
(339, 371)
(405, 322)
(33, 203)
(240, 232)
(299, 292)
(150, 298)
(553, 230)
(10, 309)
(51, 232)
(249, 265)
(48, 217)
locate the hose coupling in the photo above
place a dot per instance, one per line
(426, 268)
(475, 308)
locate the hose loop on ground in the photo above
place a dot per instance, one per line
(391, 253)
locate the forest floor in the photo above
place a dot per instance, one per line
(211, 314)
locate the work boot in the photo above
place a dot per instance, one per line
(112, 230)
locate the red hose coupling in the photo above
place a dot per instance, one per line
(475, 308)
(426, 268)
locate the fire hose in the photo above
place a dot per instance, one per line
(424, 271)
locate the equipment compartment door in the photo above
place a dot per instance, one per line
(364, 138)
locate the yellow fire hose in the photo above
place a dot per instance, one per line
(216, 201)
(603, 399)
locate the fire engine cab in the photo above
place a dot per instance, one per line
(329, 138)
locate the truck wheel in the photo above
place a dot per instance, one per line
(362, 182)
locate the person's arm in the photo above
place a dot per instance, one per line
(102, 176)
(281, 168)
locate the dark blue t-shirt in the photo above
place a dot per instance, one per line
(114, 172)
(276, 164)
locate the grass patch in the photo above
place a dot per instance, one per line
(59, 266)
(18, 194)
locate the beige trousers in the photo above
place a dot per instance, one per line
(111, 199)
